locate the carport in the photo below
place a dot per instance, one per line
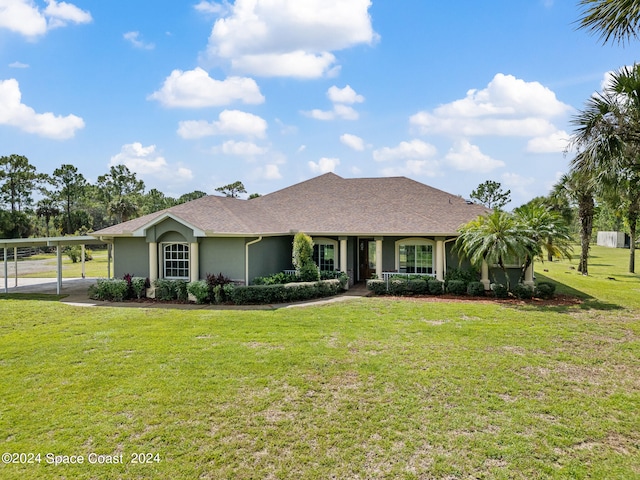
(58, 242)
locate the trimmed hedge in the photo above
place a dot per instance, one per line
(499, 290)
(436, 287)
(114, 290)
(523, 292)
(475, 289)
(457, 287)
(545, 290)
(169, 290)
(378, 287)
(291, 292)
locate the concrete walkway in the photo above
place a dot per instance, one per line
(76, 291)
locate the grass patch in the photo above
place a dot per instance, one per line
(370, 388)
(47, 268)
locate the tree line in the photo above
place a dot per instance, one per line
(65, 202)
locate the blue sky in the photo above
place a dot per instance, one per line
(195, 95)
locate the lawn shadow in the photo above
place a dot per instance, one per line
(588, 302)
(45, 297)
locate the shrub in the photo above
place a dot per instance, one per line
(417, 286)
(466, 276)
(475, 289)
(522, 291)
(258, 294)
(435, 286)
(397, 286)
(169, 290)
(457, 287)
(499, 290)
(113, 290)
(292, 292)
(545, 290)
(200, 290)
(309, 273)
(378, 287)
(75, 253)
(276, 279)
(139, 286)
(216, 294)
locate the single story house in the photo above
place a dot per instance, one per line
(366, 227)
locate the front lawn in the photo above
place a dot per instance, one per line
(370, 388)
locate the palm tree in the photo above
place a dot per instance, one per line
(578, 188)
(607, 137)
(547, 230)
(123, 209)
(613, 19)
(494, 238)
(46, 208)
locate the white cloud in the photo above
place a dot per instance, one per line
(353, 141)
(211, 8)
(196, 89)
(344, 95)
(467, 157)
(343, 112)
(15, 113)
(61, 13)
(556, 142)
(413, 168)
(518, 184)
(341, 99)
(242, 149)
(508, 106)
(297, 64)
(413, 150)
(413, 158)
(289, 37)
(147, 163)
(230, 122)
(271, 172)
(18, 65)
(134, 39)
(25, 18)
(324, 165)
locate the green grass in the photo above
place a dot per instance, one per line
(371, 388)
(93, 268)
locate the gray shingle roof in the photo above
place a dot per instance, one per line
(327, 204)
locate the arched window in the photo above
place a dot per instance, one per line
(414, 255)
(175, 260)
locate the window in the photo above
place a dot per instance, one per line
(176, 260)
(415, 256)
(324, 254)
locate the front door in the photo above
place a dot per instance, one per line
(367, 258)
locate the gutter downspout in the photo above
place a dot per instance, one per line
(246, 258)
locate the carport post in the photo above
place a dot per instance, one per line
(83, 260)
(6, 272)
(15, 264)
(59, 272)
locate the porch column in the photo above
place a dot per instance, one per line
(485, 276)
(108, 260)
(440, 259)
(343, 254)
(379, 257)
(153, 261)
(528, 276)
(194, 264)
